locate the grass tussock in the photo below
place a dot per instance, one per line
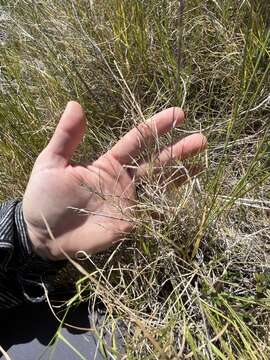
(193, 281)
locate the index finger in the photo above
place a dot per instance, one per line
(141, 136)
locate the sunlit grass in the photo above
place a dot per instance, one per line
(193, 280)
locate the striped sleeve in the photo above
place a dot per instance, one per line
(23, 274)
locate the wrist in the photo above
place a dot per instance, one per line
(36, 241)
(42, 245)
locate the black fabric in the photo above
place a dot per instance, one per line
(29, 333)
(28, 326)
(23, 274)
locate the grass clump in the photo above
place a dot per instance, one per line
(194, 280)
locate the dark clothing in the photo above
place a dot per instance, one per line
(28, 331)
(23, 274)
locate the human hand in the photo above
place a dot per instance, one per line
(103, 192)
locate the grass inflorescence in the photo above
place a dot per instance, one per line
(193, 281)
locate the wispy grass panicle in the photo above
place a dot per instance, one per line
(193, 280)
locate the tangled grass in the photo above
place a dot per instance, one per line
(193, 280)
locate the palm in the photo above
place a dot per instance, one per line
(88, 207)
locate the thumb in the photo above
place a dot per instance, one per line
(68, 133)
